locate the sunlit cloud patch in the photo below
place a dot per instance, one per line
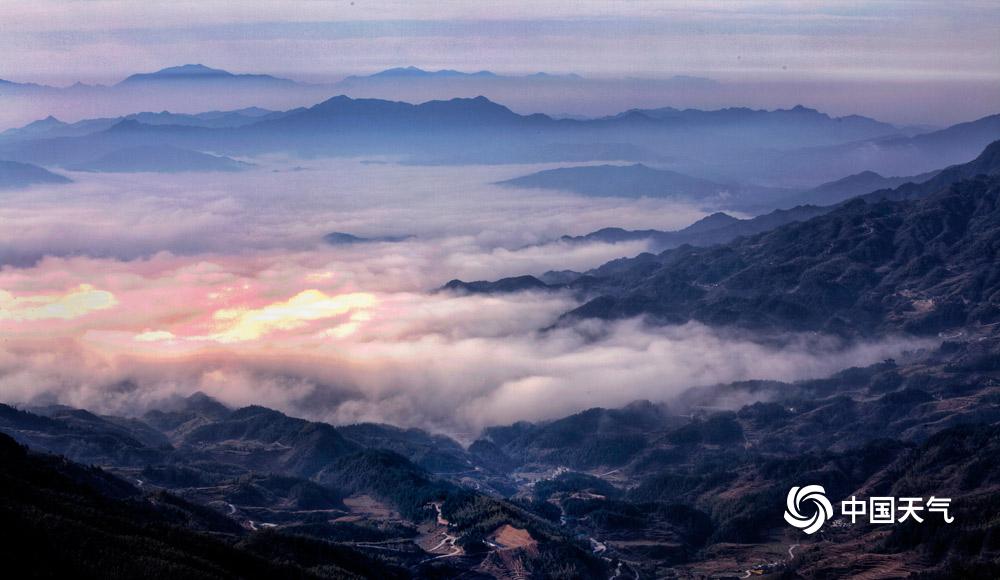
(241, 324)
(237, 296)
(75, 303)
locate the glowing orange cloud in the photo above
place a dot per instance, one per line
(242, 324)
(76, 303)
(154, 336)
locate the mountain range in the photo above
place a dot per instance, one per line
(159, 159)
(410, 73)
(344, 239)
(853, 185)
(182, 74)
(200, 74)
(713, 229)
(896, 155)
(789, 126)
(52, 127)
(14, 175)
(196, 87)
(720, 227)
(695, 487)
(188, 89)
(639, 180)
(922, 267)
(324, 498)
(778, 149)
(919, 259)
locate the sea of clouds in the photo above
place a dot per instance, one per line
(121, 291)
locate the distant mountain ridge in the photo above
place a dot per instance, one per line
(716, 228)
(196, 73)
(51, 127)
(412, 72)
(159, 159)
(15, 175)
(864, 268)
(618, 181)
(895, 155)
(462, 131)
(920, 259)
(346, 239)
(639, 180)
(344, 113)
(847, 187)
(744, 117)
(199, 73)
(720, 227)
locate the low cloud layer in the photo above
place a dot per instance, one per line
(452, 364)
(454, 214)
(219, 284)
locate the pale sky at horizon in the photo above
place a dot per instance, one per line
(868, 56)
(103, 41)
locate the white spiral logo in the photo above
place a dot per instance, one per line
(798, 496)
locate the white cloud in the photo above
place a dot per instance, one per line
(75, 303)
(233, 295)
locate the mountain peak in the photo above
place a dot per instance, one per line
(802, 109)
(986, 163)
(416, 72)
(199, 72)
(184, 71)
(481, 100)
(992, 151)
(478, 104)
(191, 69)
(402, 71)
(711, 222)
(49, 121)
(125, 125)
(201, 403)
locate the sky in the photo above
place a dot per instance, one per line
(905, 61)
(102, 40)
